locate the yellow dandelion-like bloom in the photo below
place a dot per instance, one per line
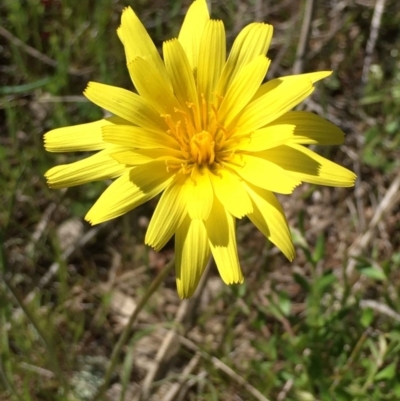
(206, 133)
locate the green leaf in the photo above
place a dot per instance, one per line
(301, 281)
(367, 317)
(325, 281)
(373, 273)
(387, 373)
(319, 251)
(285, 304)
(12, 90)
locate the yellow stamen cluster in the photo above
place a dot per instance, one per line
(202, 148)
(201, 138)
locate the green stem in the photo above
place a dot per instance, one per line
(125, 334)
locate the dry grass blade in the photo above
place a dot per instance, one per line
(388, 201)
(224, 368)
(66, 254)
(178, 388)
(381, 308)
(168, 347)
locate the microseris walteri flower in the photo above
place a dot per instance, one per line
(205, 132)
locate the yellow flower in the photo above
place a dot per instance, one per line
(206, 133)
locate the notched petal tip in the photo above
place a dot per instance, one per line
(46, 141)
(50, 181)
(290, 256)
(184, 292)
(91, 218)
(152, 245)
(127, 12)
(89, 87)
(353, 179)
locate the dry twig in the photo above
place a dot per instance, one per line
(373, 36)
(304, 35)
(37, 54)
(181, 386)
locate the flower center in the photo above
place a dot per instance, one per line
(202, 148)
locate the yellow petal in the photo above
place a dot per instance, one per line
(181, 75)
(284, 95)
(269, 217)
(310, 129)
(200, 194)
(100, 166)
(312, 76)
(306, 165)
(190, 34)
(251, 42)
(137, 137)
(137, 43)
(151, 85)
(229, 190)
(192, 253)
(263, 173)
(211, 59)
(242, 89)
(142, 156)
(125, 104)
(222, 239)
(78, 138)
(132, 189)
(168, 215)
(268, 137)
(317, 76)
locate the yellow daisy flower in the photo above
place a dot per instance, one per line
(206, 133)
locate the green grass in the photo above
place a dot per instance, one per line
(313, 329)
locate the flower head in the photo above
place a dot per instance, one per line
(205, 132)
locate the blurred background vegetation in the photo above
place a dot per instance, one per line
(325, 327)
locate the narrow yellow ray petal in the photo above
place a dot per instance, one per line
(82, 137)
(211, 59)
(242, 89)
(222, 239)
(229, 190)
(182, 78)
(252, 41)
(200, 194)
(269, 217)
(137, 43)
(193, 25)
(151, 85)
(305, 165)
(312, 76)
(260, 171)
(168, 215)
(137, 137)
(317, 76)
(125, 104)
(142, 156)
(133, 188)
(273, 104)
(310, 129)
(268, 137)
(192, 253)
(100, 166)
